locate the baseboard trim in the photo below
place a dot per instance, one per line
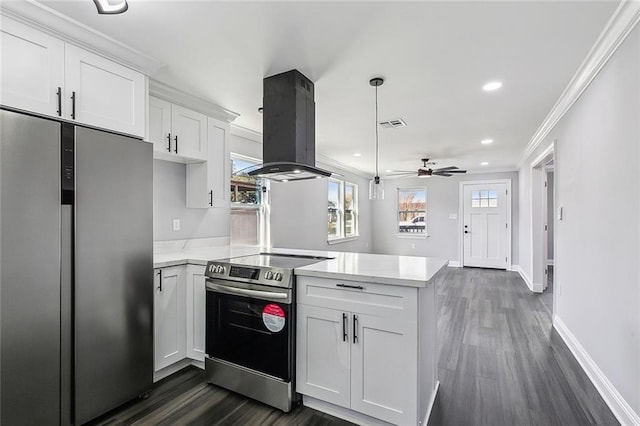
(537, 287)
(341, 412)
(175, 367)
(513, 268)
(525, 278)
(454, 264)
(618, 405)
(432, 401)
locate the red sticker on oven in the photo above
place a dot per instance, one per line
(273, 317)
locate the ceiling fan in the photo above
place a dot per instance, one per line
(425, 171)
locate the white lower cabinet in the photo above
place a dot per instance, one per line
(179, 315)
(170, 344)
(196, 303)
(323, 361)
(358, 348)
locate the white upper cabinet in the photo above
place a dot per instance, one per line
(189, 132)
(103, 93)
(177, 133)
(32, 71)
(160, 125)
(208, 183)
(45, 75)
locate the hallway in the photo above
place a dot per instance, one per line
(501, 363)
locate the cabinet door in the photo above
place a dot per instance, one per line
(32, 68)
(384, 372)
(190, 129)
(196, 301)
(323, 359)
(208, 183)
(107, 94)
(159, 125)
(219, 168)
(170, 319)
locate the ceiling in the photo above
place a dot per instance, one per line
(434, 57)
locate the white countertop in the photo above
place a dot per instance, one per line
(410, 271)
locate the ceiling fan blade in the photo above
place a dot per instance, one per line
(455, 171)
(445, 168)
(442, 174)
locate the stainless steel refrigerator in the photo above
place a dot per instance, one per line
(76, 289)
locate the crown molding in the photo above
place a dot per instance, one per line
(622, 22)
(187, 100)
(341, 167)
(50, 21)
(246, 133)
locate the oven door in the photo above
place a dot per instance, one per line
(251, 326)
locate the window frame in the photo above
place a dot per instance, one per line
(341, 223)
(412, 235)
(262, 208)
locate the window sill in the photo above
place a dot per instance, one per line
(412, 237)
(342, 240)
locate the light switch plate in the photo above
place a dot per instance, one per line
(453, 216)
(559, 213)
(176, 224)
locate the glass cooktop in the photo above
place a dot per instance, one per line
(276, 260)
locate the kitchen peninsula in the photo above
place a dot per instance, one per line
(366, 329)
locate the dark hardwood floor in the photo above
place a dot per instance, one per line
(501, 363)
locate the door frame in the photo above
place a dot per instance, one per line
(461, 186)
(538, 206)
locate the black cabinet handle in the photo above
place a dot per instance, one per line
(73, 105)
(344, 328)
(355, 329)
(160, 277)
(357, 287)
(59, 93)
(169, 142)
(176, 148)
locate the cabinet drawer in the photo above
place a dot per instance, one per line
(375, 299)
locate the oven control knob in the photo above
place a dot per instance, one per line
(277, 276)
(268, 275)
(219, 269)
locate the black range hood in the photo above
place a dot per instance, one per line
(289, 129)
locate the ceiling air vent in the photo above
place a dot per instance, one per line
(391, 124)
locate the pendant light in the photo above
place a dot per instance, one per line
(376, 186)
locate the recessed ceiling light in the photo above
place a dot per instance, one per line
(492, 85)
(357, 154)
(486, 141)
(296, 171)
(285, 180)
(484, 163)
(107, 7)
(388, 171)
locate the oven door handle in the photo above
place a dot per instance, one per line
(245, 292)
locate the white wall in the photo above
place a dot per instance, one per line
(169, 199)
(299, 214)
(550, 214)
(597, 257)
(442, 200)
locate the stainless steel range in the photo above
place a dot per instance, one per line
(250, 328)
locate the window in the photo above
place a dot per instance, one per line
(342, 209)
(248, 222)
(412, 211)
(484, 198)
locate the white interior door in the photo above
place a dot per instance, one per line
(485, 226)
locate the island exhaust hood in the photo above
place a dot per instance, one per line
(289, 129)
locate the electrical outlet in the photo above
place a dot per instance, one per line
(413, 245)
(453, 216)
(176, 224)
